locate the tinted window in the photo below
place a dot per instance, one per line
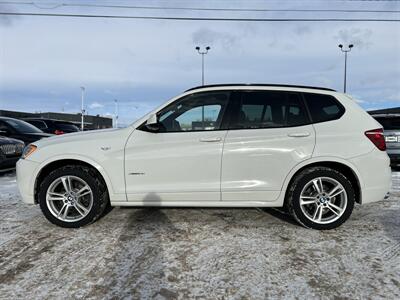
(3, 126)
(38, 124)
(269, 109)
(67, 126)
(22, 126)
(201, 111)
(323, 107)
(389, 123)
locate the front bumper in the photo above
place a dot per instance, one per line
(26, 174)
(7, 163)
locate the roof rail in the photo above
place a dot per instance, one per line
(260, 84)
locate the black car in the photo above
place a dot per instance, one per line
(10, 152)
(21, 130)
(391, 131)
(53, 126)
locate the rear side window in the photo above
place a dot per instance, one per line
(323, 107)
(66, 126)
(38, 124)
(269, 109)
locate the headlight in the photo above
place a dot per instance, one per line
(28, 150)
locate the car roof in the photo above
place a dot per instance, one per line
(45, 120)
(36, 119)
(7, 118)
(231, 85)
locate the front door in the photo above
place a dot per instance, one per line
(182, 161)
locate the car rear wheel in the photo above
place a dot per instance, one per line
(321, 198)
(72, 196)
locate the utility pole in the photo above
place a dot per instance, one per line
(116, 113)
(345, 63)
(202, 61)
(82, 109)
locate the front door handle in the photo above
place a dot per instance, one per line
(211, 140)
(299, 134)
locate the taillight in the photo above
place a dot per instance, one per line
(58, 132)
(377, 138)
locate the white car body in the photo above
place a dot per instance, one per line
(224, 168)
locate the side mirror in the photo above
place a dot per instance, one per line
(152, 123)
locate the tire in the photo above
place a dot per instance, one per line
(82, 213)
(315, 207)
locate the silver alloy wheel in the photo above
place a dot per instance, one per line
(323, 200)
(69, 198)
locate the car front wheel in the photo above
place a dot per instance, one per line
(72, 196)
(321, 198)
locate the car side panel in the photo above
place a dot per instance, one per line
(345, 137)
(374, 168)
(104, 150)
(256, 161)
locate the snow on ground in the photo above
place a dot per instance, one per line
(204, 253)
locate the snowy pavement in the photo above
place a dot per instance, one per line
(198, 253)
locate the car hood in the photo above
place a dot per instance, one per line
(6, 140)
(38, 134)
(99, 135)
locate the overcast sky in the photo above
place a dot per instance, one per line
(142, 63)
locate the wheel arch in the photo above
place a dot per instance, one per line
(56, 163)
(340, 165)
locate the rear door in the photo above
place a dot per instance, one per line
(268, 135)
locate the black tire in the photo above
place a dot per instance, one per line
(292, 200)
(98, 187)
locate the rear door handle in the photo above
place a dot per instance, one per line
(299, 134)
(211, 140)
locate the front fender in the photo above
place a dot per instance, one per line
(80, 158)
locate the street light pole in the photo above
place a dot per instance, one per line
(345, 63)
(82, 109)
(116, 113)
(202, 61)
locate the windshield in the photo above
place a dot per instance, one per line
(390, 123)
(22, 126)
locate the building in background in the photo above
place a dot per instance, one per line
(385, 111)
(91, 122)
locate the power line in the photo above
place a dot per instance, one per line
(57, 5)
(200, 18)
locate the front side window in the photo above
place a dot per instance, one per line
(323, 107)
(269, 109)
(196, 112)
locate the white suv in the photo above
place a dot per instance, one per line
(311, 150)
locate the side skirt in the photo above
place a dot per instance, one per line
(278, 203)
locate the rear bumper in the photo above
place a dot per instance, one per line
(26, 179)
(376, 175)
(394, 158)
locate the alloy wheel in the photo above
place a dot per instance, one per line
(323, 200)
(69, 198)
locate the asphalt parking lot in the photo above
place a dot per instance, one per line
(198, 253)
